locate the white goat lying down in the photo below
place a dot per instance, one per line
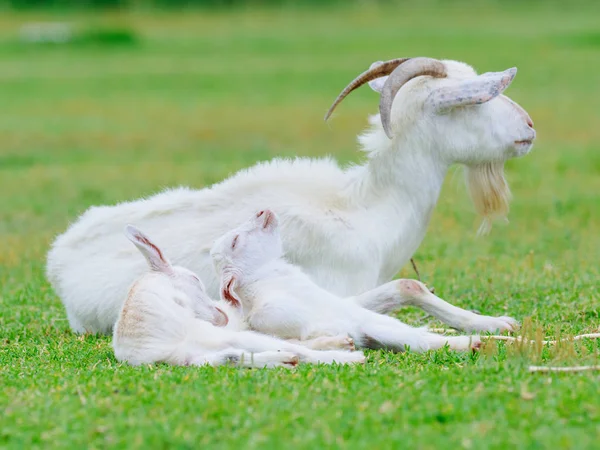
(350, 230)
(278, 298)
(168, 317)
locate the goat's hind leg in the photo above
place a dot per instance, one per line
(398, 293)
(454, 316)
(240, 358)
(381, 331)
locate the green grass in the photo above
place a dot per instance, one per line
(197, 96)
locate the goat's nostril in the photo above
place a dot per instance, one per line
(260, 214)
(530, 122)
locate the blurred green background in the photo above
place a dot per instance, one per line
(101, 105)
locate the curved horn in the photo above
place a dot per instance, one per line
(413, 68)
(381, 70)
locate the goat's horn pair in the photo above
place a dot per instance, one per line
(400, 71)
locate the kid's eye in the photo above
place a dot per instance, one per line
(235, 239)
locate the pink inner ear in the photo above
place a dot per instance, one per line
(269, 218)
(145, 240)
(228, 294)
(222, 319)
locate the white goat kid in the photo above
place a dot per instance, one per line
(278, 298)
(168, 317)
(349, 230)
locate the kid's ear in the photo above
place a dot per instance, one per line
(228, 285)
(220, 318)
(151, 252)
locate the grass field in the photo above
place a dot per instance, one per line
(197, 96)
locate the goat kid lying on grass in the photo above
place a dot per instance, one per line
(278, 298)
(168, 317)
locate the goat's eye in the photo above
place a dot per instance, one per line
(234, 243)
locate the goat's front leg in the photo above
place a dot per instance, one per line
(240, 358)
(398, 293)
(256, 342)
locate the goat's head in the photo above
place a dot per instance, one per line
(459, 116)
(243, 250)
(181, 278)
(464, 114)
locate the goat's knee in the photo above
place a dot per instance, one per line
(411, 289)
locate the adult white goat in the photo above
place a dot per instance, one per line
(167, 317)
(350, 230)
(279, 299)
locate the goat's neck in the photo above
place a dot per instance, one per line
(275, 268)
(404, 179)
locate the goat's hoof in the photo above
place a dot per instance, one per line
(356, 358)
(495, 324)
(351, 345)
(464, 343)
(276, 359)
(340, 342)
(508, 324)
(292, 362)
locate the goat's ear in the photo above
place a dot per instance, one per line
(151, 252)
(220, 319)
(473, 91)
(377, 83)
(228, 285)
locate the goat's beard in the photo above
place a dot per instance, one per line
(489, 192)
